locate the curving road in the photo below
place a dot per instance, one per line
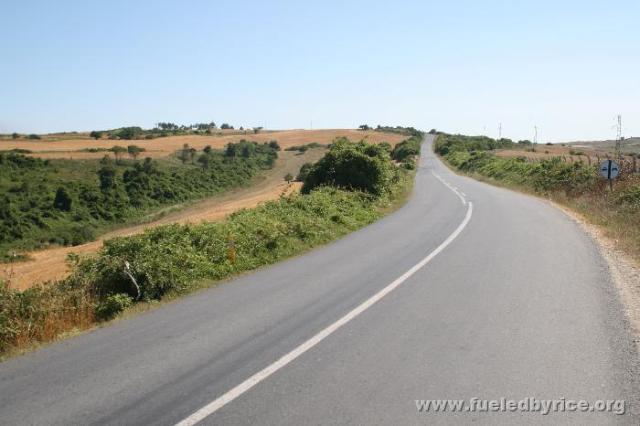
(467, 291)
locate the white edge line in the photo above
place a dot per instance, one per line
(451, 187)
(261, 375)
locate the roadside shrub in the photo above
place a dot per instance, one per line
(407, 148)
(43, 312)
(449, 143)
(544, 176)
(112, 306)
(409, 163)
(629, 197)
(358, 166)
(172, 258)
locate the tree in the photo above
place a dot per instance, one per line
(204, 159)
(187, 153)
(288, 177)
(15, 136)
(96, 134)
(231, 150)
(256, 130)
(33, 136)
(226, 126)
(107, 176)
(62, 200)
(129, 132)
(207, 149)
(304, 171)
(364, 127)
(118, 152)
(274, 145)
(134, 151)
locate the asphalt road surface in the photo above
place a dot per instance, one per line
(468, 291)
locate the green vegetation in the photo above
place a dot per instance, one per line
(360, 166)
(306, 147)
(171, 260)
(406, 151)
(304, 171)
(407, 131)
(162, 129)
(575, 184)
(67, 202)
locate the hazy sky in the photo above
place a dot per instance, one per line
(459, 66)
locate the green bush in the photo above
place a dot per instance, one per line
(354, 166)
(304, 148)
(449, 143)
(304, 171)
(112, 305)
(629, 197)
(171, 259)
(544, 176)
(407, 149)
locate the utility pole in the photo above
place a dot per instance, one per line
(535, 137)
(619, 138)
(499, 131)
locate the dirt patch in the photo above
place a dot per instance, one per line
(50, 264)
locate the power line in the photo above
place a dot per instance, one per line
(619, 138)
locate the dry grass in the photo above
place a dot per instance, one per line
(162, 147)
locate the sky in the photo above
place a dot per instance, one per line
(568, 67)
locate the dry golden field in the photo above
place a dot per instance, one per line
(73, 147)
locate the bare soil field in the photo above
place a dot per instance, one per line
(50, 264)
(73, 148)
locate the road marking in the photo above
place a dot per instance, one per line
(451, 187)
(261, 375)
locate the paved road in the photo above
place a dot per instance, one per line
(518, 304)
